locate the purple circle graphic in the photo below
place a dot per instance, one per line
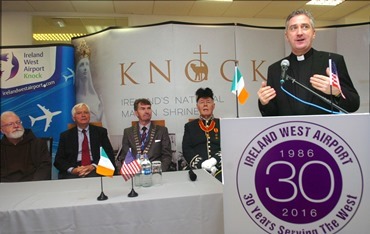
(298, 181)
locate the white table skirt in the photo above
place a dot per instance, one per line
(71, 206)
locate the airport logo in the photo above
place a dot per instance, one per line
(9, 66)
(299, 177)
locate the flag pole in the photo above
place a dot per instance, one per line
(236, 64)
(331, 98)
(331, 83)
(133, 193)
(102, 196)
(129, 168)
(236, 91)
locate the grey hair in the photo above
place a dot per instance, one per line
(6, 113)
(300, 12)
(78, 105)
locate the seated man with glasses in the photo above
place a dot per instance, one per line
(24, 157)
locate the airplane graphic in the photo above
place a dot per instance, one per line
(48, 116)
(66, 78)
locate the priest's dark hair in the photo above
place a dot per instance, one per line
(204, 93)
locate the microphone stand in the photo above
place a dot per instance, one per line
(316, 94)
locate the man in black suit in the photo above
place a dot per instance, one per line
(310, 68)
(201, 141)
(155, 143)
(70, 158)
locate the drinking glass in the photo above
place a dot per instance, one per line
(157, 172)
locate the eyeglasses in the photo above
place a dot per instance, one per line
(12, 124)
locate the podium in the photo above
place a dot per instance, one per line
(296, 174)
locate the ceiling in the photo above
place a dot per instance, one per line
(91, 16)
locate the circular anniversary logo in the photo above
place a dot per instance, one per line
(299, 177)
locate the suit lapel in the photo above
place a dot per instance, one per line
(94, 143)
(74, 137)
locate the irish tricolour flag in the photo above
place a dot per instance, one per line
(105, 166)
(238, 87)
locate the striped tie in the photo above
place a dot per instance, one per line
(143, 138)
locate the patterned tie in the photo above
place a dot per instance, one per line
(143, 137)
(85, 151)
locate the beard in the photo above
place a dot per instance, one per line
(16, 135)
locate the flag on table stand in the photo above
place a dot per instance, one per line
(238, 87)
(105, 166)
(333, 77)
(130, 166)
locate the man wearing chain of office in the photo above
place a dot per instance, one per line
(201, 142)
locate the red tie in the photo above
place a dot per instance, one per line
(85, 151)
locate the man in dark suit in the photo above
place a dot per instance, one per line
(310, 68)
(201, 141)
(146, 138)
(79, 147)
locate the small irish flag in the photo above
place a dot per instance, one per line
(105, 166)
(238, 87)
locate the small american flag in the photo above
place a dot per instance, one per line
(334, 79)
(130, 166)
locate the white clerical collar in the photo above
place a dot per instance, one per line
(300, 57)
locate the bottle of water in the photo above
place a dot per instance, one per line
(146, 172)
(137, 178)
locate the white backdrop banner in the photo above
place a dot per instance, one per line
(167, 63)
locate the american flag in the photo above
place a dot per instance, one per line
(130, 166)
(334, 79)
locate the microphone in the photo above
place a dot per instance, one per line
(192, 175)
(284, 67)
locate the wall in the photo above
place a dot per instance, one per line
(22, 22)
(16, 29)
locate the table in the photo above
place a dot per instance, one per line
(71, 206)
